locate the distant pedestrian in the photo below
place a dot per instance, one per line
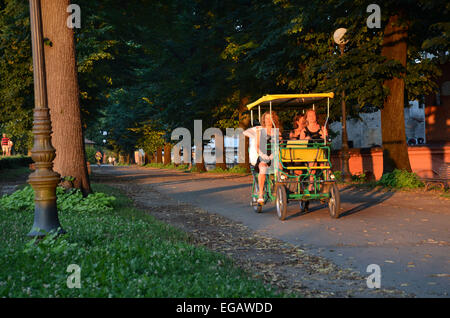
(5, 145)
(10, 145)
(98, 157)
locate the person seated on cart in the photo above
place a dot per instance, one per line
(299, 126)
(313, 131)
(268, 121)
(312, 128)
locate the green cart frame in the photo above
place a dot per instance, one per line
(297, 163)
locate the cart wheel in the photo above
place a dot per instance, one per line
(281, 201)
(334, 203)
(304, 206)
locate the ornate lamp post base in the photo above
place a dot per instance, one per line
(45, 211)
(43, 180)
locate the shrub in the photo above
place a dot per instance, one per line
(400, 179)
(359, 178)
(15, 162)
(235, 169)
(194, 168)
(338, 175)
(155, 165)
(67, 200)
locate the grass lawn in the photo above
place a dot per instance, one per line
(122, 252)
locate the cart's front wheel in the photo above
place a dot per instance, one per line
(334, 203)
(281, 201)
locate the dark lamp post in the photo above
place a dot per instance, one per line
(43, 180)
(338, 39)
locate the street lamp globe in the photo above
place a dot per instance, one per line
(338, 36)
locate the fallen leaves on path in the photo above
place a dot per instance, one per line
(292, 269)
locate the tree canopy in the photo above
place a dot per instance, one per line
(170, 62)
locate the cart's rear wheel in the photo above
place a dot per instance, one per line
(304, 206)
(281, 201)
(334, 202)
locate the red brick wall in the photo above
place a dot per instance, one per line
(424, 160)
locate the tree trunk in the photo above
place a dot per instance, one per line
(167, 154)
(220, 152)
(395, 150)
(159, 155)
(63, 94)
(244, 123)
(200, 167)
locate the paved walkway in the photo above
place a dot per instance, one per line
(405, 233)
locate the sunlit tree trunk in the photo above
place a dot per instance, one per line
(159, 155)
(220, 147)
(244, 123)
(63, 94)
(395, 150)
(167, 154)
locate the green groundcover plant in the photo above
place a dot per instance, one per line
(400, 179)
(235, 169)
(121, 251)
(168, 166)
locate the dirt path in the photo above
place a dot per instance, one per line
(8, 187)
(285, 265)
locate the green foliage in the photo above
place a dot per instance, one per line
(90, 155)
(67, 200)
(400, 179)
(16, 84)
(194, 168)
(52, 243)
(122, 252)
(359, 178)
(15, 162)
(156, 165)
(338, 176)
(236, 169)
(151, 137)
(169, 166)
(19, 131)
(170, 62)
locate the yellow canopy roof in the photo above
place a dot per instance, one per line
(289, 99)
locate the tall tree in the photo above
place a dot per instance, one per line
(395, 151)
(63, 94)
(16, 74)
